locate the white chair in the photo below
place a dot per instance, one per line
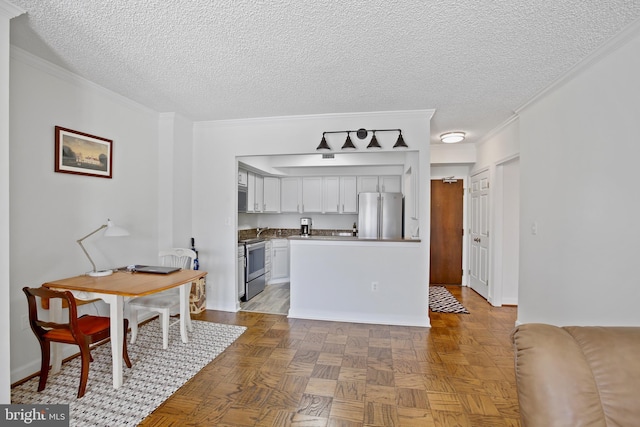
(163, 302)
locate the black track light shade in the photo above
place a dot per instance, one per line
(323, 145)
(362, 133)
(374, 142)
(400, 142)
(348, 143)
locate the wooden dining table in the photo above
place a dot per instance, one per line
(113, 290)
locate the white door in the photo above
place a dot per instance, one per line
(479, 234)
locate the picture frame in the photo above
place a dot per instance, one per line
(80, 153)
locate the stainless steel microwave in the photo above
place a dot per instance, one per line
(242, 199)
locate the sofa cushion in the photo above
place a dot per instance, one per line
(578, 375)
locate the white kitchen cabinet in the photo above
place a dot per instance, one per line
(279, 261)
(242, 177)
(271, 194)
(255, 192)
(382, 184)
(339, 194)
(348, 194)
(390, 184)
(367, 184)
(331, 194)
(312, 194)
(290, 194)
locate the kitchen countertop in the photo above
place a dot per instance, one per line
(349, 238)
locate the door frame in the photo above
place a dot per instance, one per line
(496, 228)
(497, 253)
(465, 224)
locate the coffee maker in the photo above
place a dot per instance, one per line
(305, 227)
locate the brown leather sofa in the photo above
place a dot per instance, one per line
(577, 375)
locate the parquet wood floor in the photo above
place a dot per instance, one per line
(294, 372)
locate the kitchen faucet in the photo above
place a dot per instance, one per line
(260, 230)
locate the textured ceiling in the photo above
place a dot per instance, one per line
(473, 61)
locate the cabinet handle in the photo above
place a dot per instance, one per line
(338, 207)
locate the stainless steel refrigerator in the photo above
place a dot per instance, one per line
(380, 215)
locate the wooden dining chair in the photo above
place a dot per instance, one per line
(163, 302)
(82, 331)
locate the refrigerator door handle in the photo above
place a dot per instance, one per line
(380, 219)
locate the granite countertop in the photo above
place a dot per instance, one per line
(349, 239)
(294, 234)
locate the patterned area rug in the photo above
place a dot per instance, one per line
(442, 301)
(155, 375)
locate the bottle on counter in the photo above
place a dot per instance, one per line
(196, 263)
(355, 230)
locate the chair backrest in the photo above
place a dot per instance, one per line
(40, 326)
(178, 257)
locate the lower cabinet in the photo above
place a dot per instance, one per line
(279, 261)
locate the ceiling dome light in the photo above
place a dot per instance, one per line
(452, 137)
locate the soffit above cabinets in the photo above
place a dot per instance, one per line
(342, 163)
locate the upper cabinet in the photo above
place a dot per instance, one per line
(312, 194)
(316, 194)
(382, 184)
(331, 194)
(348, 194)
(255, 192)
(271, 194)
(242, 177)
(339, 194)
(290, 194)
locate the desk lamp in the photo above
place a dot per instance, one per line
(111, 231)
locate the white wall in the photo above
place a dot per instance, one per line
(7, 11)
(321, 270)
(49, 211)
(216, 146)
(579, 184)
(175, 156)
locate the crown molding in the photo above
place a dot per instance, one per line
(622, 38)
(58, 72)
(10, 10)
(426, 114)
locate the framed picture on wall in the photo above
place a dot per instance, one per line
(83, 154)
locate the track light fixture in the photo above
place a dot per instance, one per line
(362, 134)
(323, 144)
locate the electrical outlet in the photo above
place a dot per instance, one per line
(374, 286)
(25, 321)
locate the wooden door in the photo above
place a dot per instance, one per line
(479, 235)
(446, 232)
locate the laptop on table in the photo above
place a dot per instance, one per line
(153, 269)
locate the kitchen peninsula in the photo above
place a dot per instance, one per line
(358, 280)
